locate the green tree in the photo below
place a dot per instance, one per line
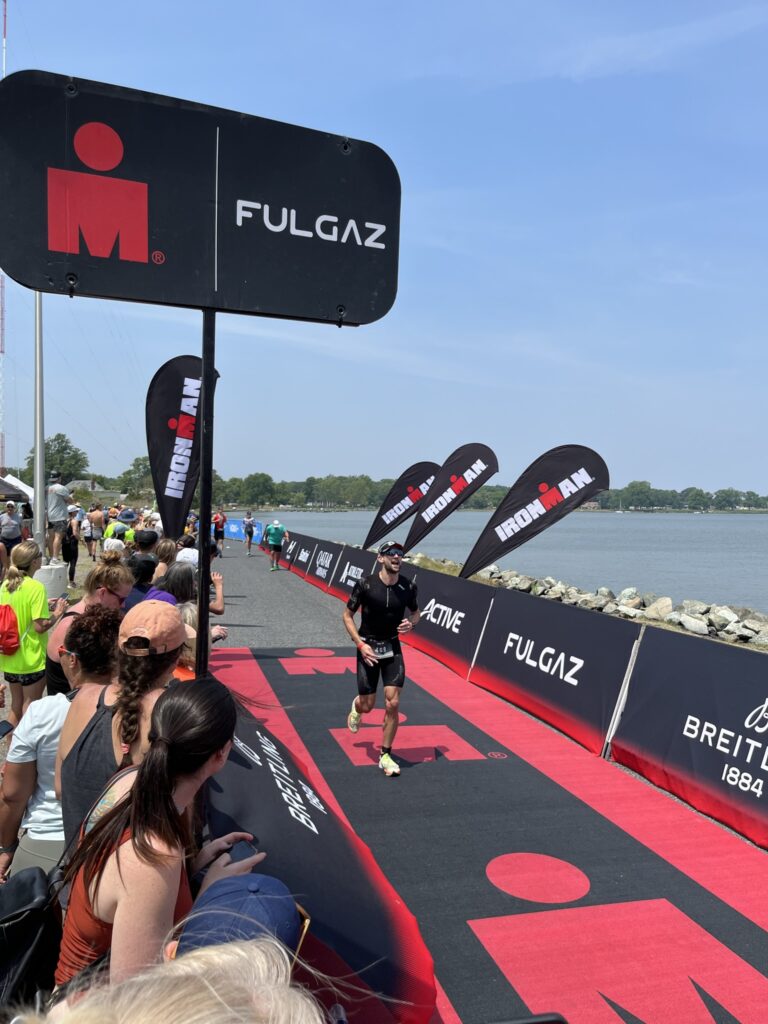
(727, 497)
(61, 455)
(637, 494)
(137, 478)
(695, 498)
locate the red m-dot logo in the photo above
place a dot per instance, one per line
(100, 210)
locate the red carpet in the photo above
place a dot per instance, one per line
(542, 877)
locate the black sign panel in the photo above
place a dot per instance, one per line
(555, 484)
(323, 563)
(453, 612)
(172, 442)
(123, 194)
(263, 790)
(302, 554)
(696, 724)
(563, 664)
(402, 500)
(354, 564)
(290, 550)
(462, 473)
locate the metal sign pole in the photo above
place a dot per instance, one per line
(39, 506)
(206, 489)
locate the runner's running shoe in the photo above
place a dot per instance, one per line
(388, 765)
(353, 718)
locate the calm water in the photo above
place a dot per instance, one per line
(717, 558)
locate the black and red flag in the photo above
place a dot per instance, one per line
(555, 484)
(402, 500)
(173, 442)
(462, 473)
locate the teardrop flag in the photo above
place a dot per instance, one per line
(462, 473)
(402, 500)
(173, 442)
(555, 484)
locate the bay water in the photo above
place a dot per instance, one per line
(718, 558)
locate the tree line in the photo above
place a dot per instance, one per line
(258, 490)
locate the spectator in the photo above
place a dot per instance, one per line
(143, 569)
(235, 981)
(166, 556)
(96, 519)
(185, 668)
(25, 669)
(70, 546)
(107, 727)
(145, 541)
(129, 873)
(10, 534)
(27, 520)
(27, 797)
(86, 534)
(180, 584)
(108, 584)
(58, 498)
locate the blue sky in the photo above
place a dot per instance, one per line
(583, 237)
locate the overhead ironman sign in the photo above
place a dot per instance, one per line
(121, 194)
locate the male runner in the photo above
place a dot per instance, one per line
(386, 601)
(274, 535)
(248, 526)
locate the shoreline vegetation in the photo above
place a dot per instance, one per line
(727, 623)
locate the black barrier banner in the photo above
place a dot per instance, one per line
(462, 473)
(240, 214)
(289, 551)
(402, 500)
(353, 565)
(696, 724)
(302, 557)
(324, 562)
(172, 442)
(555, 484)
(453, 613)
(356, 915)
(565, 665)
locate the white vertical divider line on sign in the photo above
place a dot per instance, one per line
(480, 639)
(621, 700)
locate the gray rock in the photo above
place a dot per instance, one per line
(508, 577)
(596, 602)
(695, 607)
(549, 581)
(631, 602)
(489, 573)
(720, 616)
(627, 594)
(760, 639)
(539, 588)
(524, 583)
(738, 631)
(749, 613)
(649, 599)
(611, 608)
(673, 619)
(606, 592)
(556, 592)
(754, 624)
(628, 611)
(694, 623)
(660, 609)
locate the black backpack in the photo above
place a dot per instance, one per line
(30, 934)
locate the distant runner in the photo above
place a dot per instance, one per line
(219, 522)
(248, 527)
(274, 535)
(385, 600)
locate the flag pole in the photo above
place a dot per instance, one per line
(206, 490)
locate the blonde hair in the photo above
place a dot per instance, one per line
(166, 551)
(188, 612)
(248, 982)
(23, 557)
(109, 572)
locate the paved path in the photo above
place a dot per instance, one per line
(274, 609)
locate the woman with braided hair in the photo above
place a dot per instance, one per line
(130, 873)
(107, 727)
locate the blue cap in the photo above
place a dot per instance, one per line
(240, 908)
(127, 516)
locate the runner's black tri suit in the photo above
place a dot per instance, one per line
(383, 608)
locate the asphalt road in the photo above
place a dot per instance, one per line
(274, 609)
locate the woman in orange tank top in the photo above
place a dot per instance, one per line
(130, 873)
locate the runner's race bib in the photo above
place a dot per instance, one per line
(382, 649)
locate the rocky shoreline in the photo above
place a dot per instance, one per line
(722, 622)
